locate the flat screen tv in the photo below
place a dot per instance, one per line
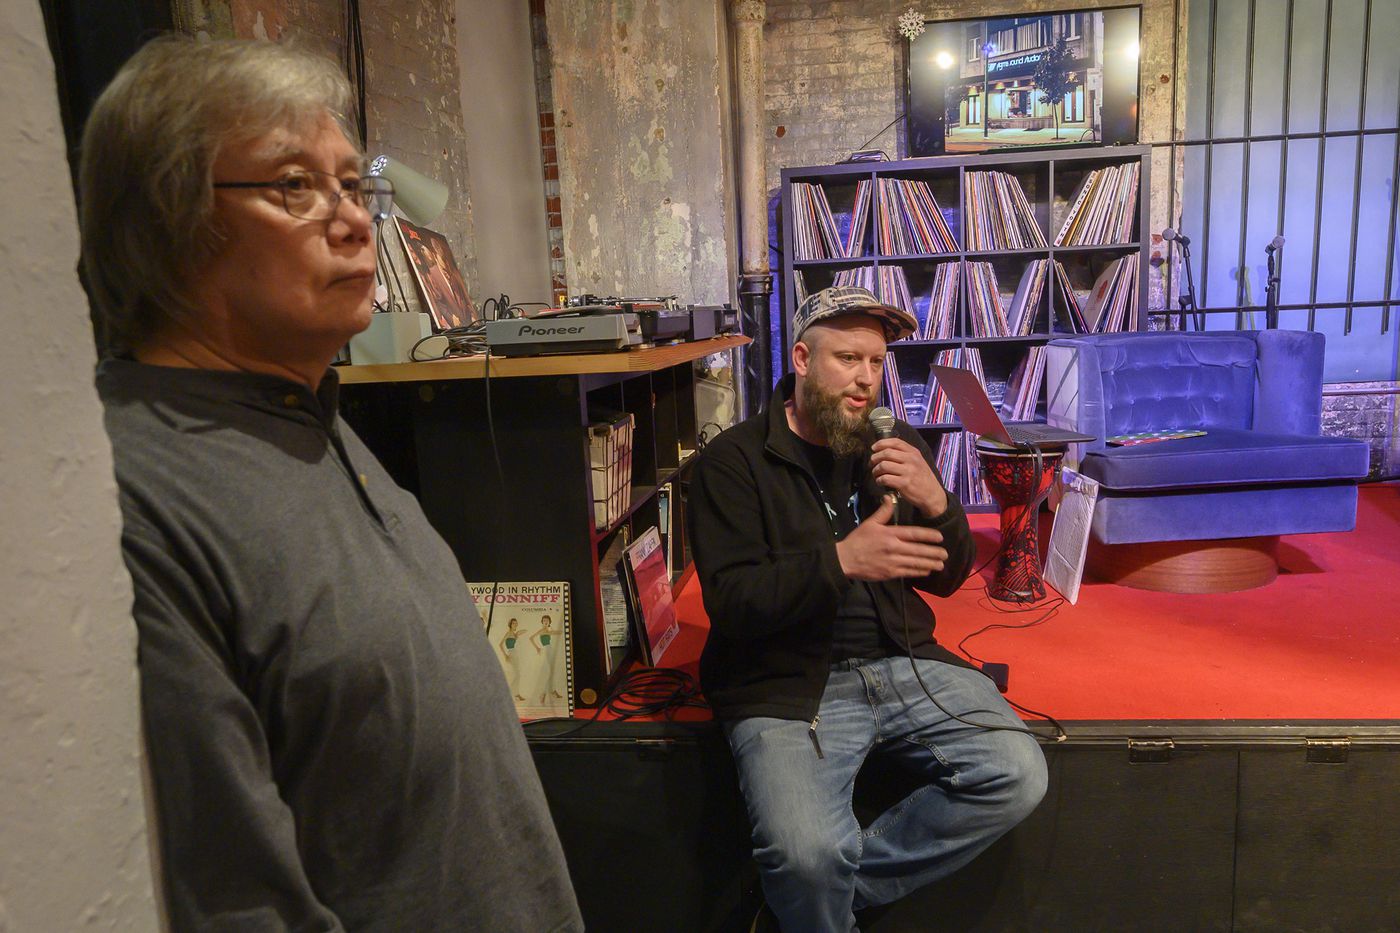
(1046, 79)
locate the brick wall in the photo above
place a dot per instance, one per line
(549, 153)
(1372, 417)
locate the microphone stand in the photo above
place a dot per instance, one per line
(1187, 299)
(1271, 294)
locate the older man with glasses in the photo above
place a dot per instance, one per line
(331, 738)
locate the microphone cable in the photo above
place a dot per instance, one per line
(647, 691)
(1060, 733)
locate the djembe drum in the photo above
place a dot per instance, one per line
(1017, 479)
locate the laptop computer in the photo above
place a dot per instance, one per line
(979, 416)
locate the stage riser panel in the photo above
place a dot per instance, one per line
(1225, 834)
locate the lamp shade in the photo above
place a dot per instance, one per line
(420, 198)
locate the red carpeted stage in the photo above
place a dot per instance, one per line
(1231, 764)
(1322, 642)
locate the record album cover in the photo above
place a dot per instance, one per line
(531, 634)
(440, 283)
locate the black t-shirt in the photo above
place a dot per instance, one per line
(858, 632)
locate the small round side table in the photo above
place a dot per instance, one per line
(1015, 483)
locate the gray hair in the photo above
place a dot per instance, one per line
(148, 152)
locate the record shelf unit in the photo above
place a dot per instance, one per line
(501, 465)
(1056, 185)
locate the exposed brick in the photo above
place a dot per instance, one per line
(547, 118)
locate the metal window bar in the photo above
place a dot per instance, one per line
(1390, 237)
(1321, 163)
(1283, 147)
(1241, 280)
(1203, 294)
(1322, 135)
(1356, 193)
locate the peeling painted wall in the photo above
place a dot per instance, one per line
(414, 100)
(646, 194)
(835, 77)
(75, 853)
(500, 116)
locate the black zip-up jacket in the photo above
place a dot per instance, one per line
(770, 577)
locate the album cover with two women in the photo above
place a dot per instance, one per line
(528, 627)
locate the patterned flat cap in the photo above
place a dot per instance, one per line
(849, 299)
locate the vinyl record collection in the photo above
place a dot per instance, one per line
(997, 214)
(1113, 302)
(1103, 210)
(940, 409)
(908, 219)
(1067, 302)
(941, 322)
(886, 283)
(1022, 396)
(957, 464)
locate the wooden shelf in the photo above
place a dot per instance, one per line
(513, 494)
(639, 360)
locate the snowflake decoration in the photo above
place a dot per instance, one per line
(911, 24)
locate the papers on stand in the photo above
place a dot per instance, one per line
(1069, 536)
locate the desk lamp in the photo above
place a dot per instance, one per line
(422, 199)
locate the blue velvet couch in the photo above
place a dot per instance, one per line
(1263, 467)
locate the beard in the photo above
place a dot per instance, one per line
(846, 433)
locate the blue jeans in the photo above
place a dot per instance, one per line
(816, 863)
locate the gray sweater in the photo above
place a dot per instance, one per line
(330, 735)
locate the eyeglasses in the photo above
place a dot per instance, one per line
(316, 195)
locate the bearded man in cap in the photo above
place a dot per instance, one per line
(813, 547)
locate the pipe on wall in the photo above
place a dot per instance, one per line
(755, 280)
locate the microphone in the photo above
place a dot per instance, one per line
(882, 420)
(1274, 245)
(1171, 234)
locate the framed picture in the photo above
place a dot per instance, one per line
(530, 633)
(440, 283)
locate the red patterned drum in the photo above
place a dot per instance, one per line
(1017, 479)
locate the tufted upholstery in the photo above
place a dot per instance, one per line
(1262, 468)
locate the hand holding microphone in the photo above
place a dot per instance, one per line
(897, 466)
(882, 421)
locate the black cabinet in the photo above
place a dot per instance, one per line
(501, 465)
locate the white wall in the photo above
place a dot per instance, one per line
(74, 844)
(499, 114)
